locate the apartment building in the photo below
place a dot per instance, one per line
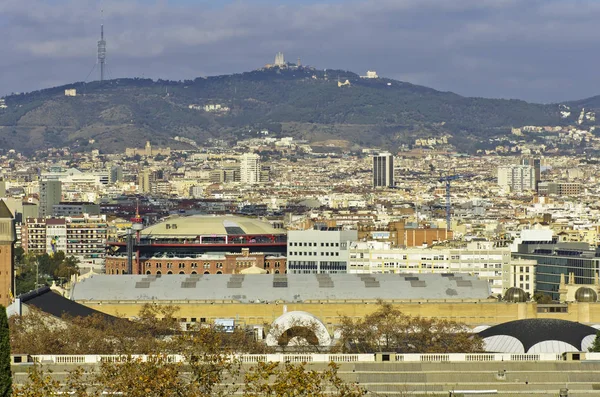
(479, 258)
(517, 178)
(520, 273)
(50, 195)
(560, 188)
(83, 237)
(250, 168)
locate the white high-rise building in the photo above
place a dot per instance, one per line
(250, 168)
(383, 170)
(517, 178)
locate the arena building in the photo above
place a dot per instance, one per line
(202, 244)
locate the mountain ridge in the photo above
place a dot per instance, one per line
(299, 102)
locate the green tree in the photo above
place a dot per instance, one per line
(67, 268)
(542, 298)
(595, 348)
(387, 329)
(19, 254)
(5, 372)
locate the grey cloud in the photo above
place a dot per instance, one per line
(532, 49)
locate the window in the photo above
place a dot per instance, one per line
(181, 265)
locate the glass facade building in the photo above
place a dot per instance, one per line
(554, 259)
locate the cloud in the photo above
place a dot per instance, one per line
(538, 50)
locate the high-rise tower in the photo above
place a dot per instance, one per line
(250, 168)
(536, 163)
(101, 52)
(50, 195)
(383, 170)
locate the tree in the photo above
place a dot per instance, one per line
(272, 379)
(542, 298)
(134, 377)
(67, 268)
(388, 329)
(595, 348)
(5, 372)
(40, 384)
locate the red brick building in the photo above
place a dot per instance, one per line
(202, 245)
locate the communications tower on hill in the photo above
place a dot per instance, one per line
(101, 52)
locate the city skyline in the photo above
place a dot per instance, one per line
(490, 49)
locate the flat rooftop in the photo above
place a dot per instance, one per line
(281, 287)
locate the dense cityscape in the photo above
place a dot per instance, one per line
(295, 231)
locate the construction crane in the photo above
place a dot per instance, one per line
(446, 180)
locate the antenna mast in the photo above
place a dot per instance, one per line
(102, 50)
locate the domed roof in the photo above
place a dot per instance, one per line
(199, 225)
(532, 334)
(586, 294)
(515, 294)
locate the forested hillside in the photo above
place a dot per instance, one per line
(300, 102)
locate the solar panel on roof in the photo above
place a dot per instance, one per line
(188, 284)
(412, 278)
(142, 284)
(418, 283)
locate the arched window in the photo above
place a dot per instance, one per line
(182, 272)
(219, 272)
(194, 272)
(148, 272)
(207, 272)
(159, 272)
(169, 272)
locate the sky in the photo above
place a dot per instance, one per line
(536, 50)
